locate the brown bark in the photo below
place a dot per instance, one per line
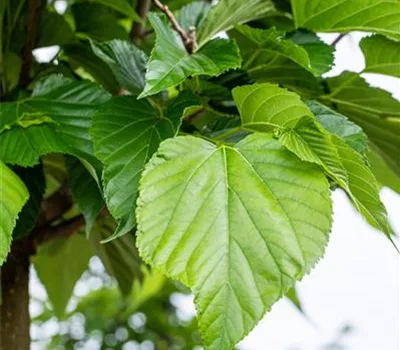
(14, 309)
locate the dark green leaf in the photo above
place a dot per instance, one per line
(170, 64)
(53, 30)
(127, 62)
(192, 14)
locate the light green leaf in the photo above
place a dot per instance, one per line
(264, 107)
(13, 196)
(126, 132)
(348, 15)
(127, 62)
(59, 265)
(311, 143)
(268, 56)
(85, 191)
(170, 64)
(339, 125)
(119, 257)
(192, 14)
(382, 172)
(350, 90)
(364, 187)
(69, 105)
(382, 55)
(34, 180)
(228, 13)
(293, 297)
(223, 221)
(320, 54)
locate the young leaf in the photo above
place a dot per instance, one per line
(339, 125)
(382, 55)
(264, 107)
(127, 62)
(59, 264)
(13, 196)
(119, 257)
(170, 64)
(223, 220)
(268, 56)
(85, 191)
(382, 172)
(34, 180)
(348, 15)
(228, 13)
(126, 132)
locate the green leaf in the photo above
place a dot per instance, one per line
(127, 62)
(268, 56)
(192, 14)
(348, 15)
(264, 107)
(119, 257)
(80, 55)
(85, 191)
(382, 172)
(121, 6)
(320, 54)
(350, 90)
(339, 125)
(170, 64)
(364, 187)
(69, 105)
(53, 30)
(228, 13)
(11, 68)
(382, 55)
(34, 180)
(126, 132)
(223, 220)
(59, 265)
(293, 297)
(13, 196)
(97, 22)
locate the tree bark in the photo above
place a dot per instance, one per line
(14, 309)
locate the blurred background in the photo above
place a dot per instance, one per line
(350, 301)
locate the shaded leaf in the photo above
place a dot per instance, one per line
(53, 30)
(382, 172)
(192, 14)
(170, 64)
(59, 265)
(85, 191)
(382, 55)
(244, 239)
(122, 6)
(126, 132)
(119, 257)
(339, 125)
(127, 62)
(13, 196)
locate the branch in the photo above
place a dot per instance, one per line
(189, 40)
(33, 10)
(138, 30)
(338, 38)
(64, 229)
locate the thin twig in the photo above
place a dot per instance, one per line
(189, 40)
(33, 11)
(338, 38)
(138, 31)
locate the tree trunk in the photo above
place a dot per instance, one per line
(14, 309)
